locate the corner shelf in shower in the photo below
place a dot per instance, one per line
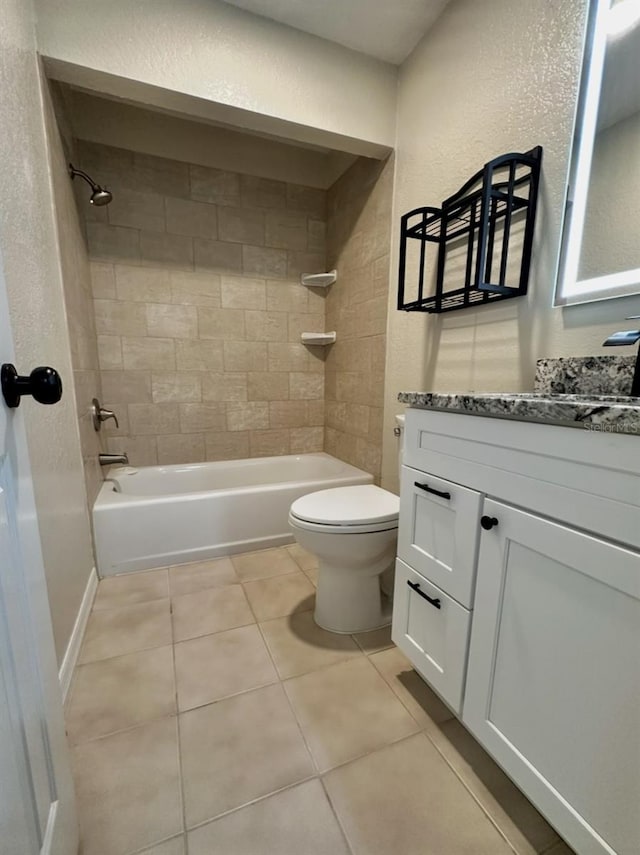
(319, 280)
(318, 339)
(478, 232)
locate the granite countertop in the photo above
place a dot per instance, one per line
(615, 412)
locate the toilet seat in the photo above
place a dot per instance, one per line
(347, 510)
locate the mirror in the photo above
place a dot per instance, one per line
(600, 255)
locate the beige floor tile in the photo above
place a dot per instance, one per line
(280, 596)
(263, 564)
(312, 575)
(298, 645)
(239, 749)
(189, 578)
(211, 610)
(347, 710)
(405, 799)
(128, 789)
(113, 632)
(118, 693)
(377, 639)
(304, 559)
(527, 831)
(216, 666)
(298, 821)
(175, 846)
(423, 704)
(130, 588)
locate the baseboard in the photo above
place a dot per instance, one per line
(75, 641)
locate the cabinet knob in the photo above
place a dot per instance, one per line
(44, 384)
(488, 522)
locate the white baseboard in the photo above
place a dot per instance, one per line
(75, 641)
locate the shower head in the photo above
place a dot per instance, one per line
(99, 195)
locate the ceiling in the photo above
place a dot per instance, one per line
(385, 29)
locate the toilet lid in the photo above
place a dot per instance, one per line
(355, 505)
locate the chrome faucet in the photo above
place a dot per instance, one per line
(99, 415)
(112, 459)
(627, 337)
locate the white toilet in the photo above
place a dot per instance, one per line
(353, 532)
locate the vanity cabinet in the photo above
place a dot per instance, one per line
(542, 662)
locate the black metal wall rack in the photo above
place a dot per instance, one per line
(488, 224)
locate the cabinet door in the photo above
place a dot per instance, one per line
(438, 531)
(553, 685)
(433, 631)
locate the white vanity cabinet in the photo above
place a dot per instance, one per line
(542, 661)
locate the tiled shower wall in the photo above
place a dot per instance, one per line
(199, 309)
(358, 244)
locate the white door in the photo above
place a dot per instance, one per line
(553, 681)
(37, 806)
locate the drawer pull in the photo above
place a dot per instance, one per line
(435, 601)
(442, 493)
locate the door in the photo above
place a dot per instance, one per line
(37, 807)
(553, 683)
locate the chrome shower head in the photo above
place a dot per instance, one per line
(99, 195)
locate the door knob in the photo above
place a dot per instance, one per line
(44, 384)
(488, 522)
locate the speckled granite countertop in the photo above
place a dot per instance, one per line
(555, 400)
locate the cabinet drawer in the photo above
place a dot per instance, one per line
(432, 630)
(438, 531)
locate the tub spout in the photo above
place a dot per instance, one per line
(111, 459)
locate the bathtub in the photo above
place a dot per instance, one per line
(156, 516)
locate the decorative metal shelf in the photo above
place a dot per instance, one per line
(488, 224)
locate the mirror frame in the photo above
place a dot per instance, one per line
(569, 289)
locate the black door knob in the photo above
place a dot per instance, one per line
(44, 384)
(488, 522)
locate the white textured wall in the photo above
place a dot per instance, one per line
(210, 59)
(32, 272)
(490, 77)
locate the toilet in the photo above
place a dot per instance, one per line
(353, 533)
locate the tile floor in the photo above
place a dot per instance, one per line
(209, 714)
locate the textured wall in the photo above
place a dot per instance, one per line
(358, 244)
(34, 285)
(199, 309)
(461, 101)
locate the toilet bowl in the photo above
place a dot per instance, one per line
(353, 533)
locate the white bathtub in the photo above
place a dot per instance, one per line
(161, 515)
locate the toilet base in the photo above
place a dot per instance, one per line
(348, 604)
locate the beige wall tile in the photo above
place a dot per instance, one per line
(227, 445)
(268, 386)
(171, 321)
(103, 281)
(316, 236)
(265, 443)
(264, 261)
(231, 386)
(221, 324)
(247, 415)
(160, 248)
(197, 219)
(155, 353)
(241, 225)
(144, 285)
(159, 175)
(214, 185)
(153, 419)
(287, 357)
(195, 289)
(286, 414)
(199, 355)
(306, 440)
(262, 192)
(299, 263)
(315, 412)
(241, 293)
(266, 326)
(216, 255)
(137, 210)
(113, 242)
(176, 387)
(202, 418)
(306, 386)
(142, 450)
(130, 387)
(244, 356)
(286, 230)
(109, 351)
(309, 200)
(286, 296)
(181, 448)
(115, 317)
(307, 322)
